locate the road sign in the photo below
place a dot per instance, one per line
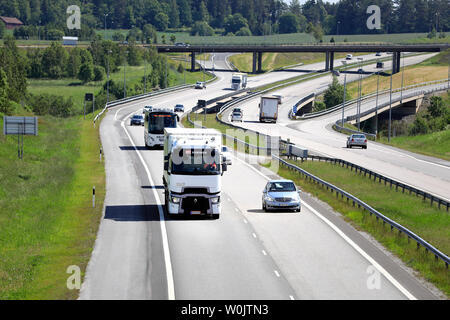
(88, 97)
(20, 125)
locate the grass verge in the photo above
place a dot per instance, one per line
(47, 222)
(427, 221)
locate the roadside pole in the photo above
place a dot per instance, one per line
(376, 105)
(343, 104)
(390, 110)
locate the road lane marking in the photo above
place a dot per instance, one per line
(358, 249)
(166, 251)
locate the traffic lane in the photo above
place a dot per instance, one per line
(317, 262)
(127, 261)
(215, 259)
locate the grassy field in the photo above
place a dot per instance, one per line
(428, 222)
(76, 89)
(47, 222)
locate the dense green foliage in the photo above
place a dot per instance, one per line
(45, 18)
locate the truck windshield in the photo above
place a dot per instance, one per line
(158, 121)
(189, 164)
(236, 80)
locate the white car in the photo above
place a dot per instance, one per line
(147, 108)
(226, 155)
(200, 85)
(236, 116)
(349, 57)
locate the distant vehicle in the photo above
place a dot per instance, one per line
(237, 110)
(380, 65)
(237, 116)
(336, 73)
(179, 108)
(268, 109)
(238, 81)
(349, 57)
(357, 140)
(360, 70)
(281, 194)
(137, 119)
(200, 85)
(226, 155)
(147, 108)
(180, 44)
(378, 54)
(155, 122)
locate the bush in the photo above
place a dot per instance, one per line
(319, 106)
(420, 126)
(99, 73)
(55, 34)
(54, 105)
(244, 31)
(202, 28)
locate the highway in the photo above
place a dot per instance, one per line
(427, 173)
(246, 254)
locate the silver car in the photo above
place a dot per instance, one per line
(281, 194)
(357, 140)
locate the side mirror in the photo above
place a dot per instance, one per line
(178, 118)
(224, 167)
(166, 165)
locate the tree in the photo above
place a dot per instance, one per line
(86, 73)
(173, 38)
(201, 28)
(54, 61)
(2, 29)
(5, 104)
(235, 23)
(288, 23)
(161, 21)
(185, 12)
(14, 65)
(149, 33)
(335, 94)
(99, 73)
(174, 15)
(244, 31)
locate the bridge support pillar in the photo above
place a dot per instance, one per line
(255, 57)
(396, 63)
(192, 61)
(332, 60)
(327, 61)
(260, 61)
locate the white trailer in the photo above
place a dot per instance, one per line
(238, 81)
(193, 169)
(268, 109)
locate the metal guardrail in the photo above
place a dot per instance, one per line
(394, 225)
(146, 95)
(367, 96)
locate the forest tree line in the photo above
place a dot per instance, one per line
(230, 17)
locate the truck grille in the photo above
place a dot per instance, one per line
(195, 204)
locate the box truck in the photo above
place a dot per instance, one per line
(268, 109)
(238, 81)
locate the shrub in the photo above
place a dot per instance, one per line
(99, 73)
(54, 105)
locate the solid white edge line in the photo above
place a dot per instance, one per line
(167, 260)
(350, 242)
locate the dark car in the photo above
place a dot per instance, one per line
(137, 119)
(179, 108)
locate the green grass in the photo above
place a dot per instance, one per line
(76, 89)
(47, 222)
(435, 144)
(427, 221)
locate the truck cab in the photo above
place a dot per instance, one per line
(238, 81)
(193, 169)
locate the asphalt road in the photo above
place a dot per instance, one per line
(426, 173)
(246, 254)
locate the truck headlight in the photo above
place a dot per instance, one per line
(215, 200)
(175, 199)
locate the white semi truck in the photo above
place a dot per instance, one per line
(193, 169)
(268, 109)
(238, 81)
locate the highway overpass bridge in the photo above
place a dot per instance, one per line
(328, 49)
